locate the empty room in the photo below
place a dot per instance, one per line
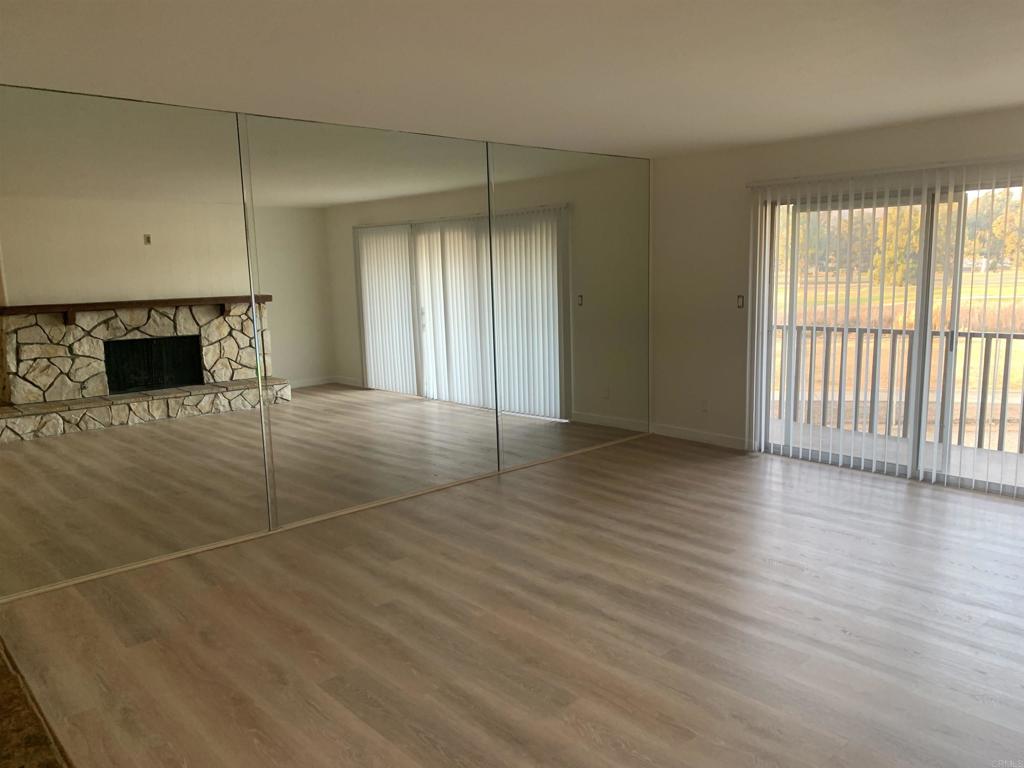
(593, 384)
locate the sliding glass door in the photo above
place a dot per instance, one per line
(971, 428)
(891, 335)
(426, 304)
(844, 327)
(386, 291)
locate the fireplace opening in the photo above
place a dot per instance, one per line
(134, 365)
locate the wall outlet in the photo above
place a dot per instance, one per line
(147, 239)
(705, 407)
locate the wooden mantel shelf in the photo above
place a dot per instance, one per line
(69, 311)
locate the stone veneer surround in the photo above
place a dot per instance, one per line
(54, 375)
(46, 360)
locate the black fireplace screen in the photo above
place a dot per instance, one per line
(134, 365)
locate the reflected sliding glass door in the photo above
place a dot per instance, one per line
(893, 325)
(426, 308)
(425, 292)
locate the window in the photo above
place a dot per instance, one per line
(889, 331)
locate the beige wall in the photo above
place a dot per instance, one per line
(3, 281)
(609, 266)
(60, 250)
(294, 268)
(701, 210)
(82, 179)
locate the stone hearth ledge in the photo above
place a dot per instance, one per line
(29, 421)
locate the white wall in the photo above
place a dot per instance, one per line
(609, 266)
(701, 235)
(294, 268)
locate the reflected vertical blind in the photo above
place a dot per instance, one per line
(387, 308)
(453, 286)
(443, 346)
(527, 306)
(888, 324)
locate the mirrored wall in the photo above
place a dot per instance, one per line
(215, 324)
(569, 243)
(121, 434)
(374, 247)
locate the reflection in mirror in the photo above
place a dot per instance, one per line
(570, 260)
(127, 420)
(374, 247)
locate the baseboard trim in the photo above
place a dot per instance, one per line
(317, 381)
(700, 436)
(601, 419)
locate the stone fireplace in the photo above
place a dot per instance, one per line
(75, 367)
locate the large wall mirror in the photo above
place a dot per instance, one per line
(569, 234)
(374, 246)
(214, 324)
(128, 426)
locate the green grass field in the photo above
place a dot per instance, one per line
(992, 301)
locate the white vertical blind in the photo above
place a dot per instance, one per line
(527, 325)
(972, 418)
(888, 326)
(387, 308)
(433, 325)
(442, 346)
(455, 310)
(468, 309)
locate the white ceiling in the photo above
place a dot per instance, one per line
(65, 145)
(628, 76)
(315, 164)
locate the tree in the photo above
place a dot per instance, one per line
(897, 254)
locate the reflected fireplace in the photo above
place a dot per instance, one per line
(136, 365)
(78, 367)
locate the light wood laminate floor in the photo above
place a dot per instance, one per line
(653, 603)
(81, 503)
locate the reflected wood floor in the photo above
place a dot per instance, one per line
(654, 603)
(81, 503)
(336, 443)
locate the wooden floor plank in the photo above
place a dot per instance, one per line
(654, 603)
(87, 502)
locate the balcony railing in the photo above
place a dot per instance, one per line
(859, 379)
